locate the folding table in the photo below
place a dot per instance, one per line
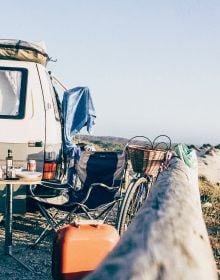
(9, 214)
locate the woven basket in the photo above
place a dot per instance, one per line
(145, 160)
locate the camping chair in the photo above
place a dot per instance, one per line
(101, 175)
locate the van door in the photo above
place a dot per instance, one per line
(53, 132)
(22, 114)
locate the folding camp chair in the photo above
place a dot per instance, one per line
(102, 175)
(105, 186)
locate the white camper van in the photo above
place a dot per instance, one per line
(30, 123)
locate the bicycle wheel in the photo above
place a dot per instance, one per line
(135, 195)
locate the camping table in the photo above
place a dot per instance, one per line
(9, 213)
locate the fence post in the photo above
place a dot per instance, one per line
(168, 239)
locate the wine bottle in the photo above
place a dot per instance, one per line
(9, 163)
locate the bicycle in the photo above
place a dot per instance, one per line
(147, 159)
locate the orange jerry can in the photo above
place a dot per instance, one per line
(79, 248)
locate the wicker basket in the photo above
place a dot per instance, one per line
(145, 160)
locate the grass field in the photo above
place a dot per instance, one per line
(210, 198)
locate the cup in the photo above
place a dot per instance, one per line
(31, 165)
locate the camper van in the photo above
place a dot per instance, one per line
(30, 122)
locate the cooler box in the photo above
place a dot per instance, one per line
(79, 249)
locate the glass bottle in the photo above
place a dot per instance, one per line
(9, 163)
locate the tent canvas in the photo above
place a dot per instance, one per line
(12, 49)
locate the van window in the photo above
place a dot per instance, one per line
(53, 95)
(12, 92)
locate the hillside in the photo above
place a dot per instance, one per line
(106, 143)
(105, 139)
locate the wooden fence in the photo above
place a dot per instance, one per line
(168, 238)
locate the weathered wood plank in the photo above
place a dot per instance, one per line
(168, 238)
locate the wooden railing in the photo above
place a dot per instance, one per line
(168, 238)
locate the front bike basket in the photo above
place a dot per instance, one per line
(148, 157)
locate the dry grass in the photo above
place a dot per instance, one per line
(210, 198)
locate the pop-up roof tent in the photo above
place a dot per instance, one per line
(21, 50)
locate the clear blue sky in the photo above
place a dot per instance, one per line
(153, 67)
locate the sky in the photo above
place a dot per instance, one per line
(152, 67)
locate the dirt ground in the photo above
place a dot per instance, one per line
(25, 230)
